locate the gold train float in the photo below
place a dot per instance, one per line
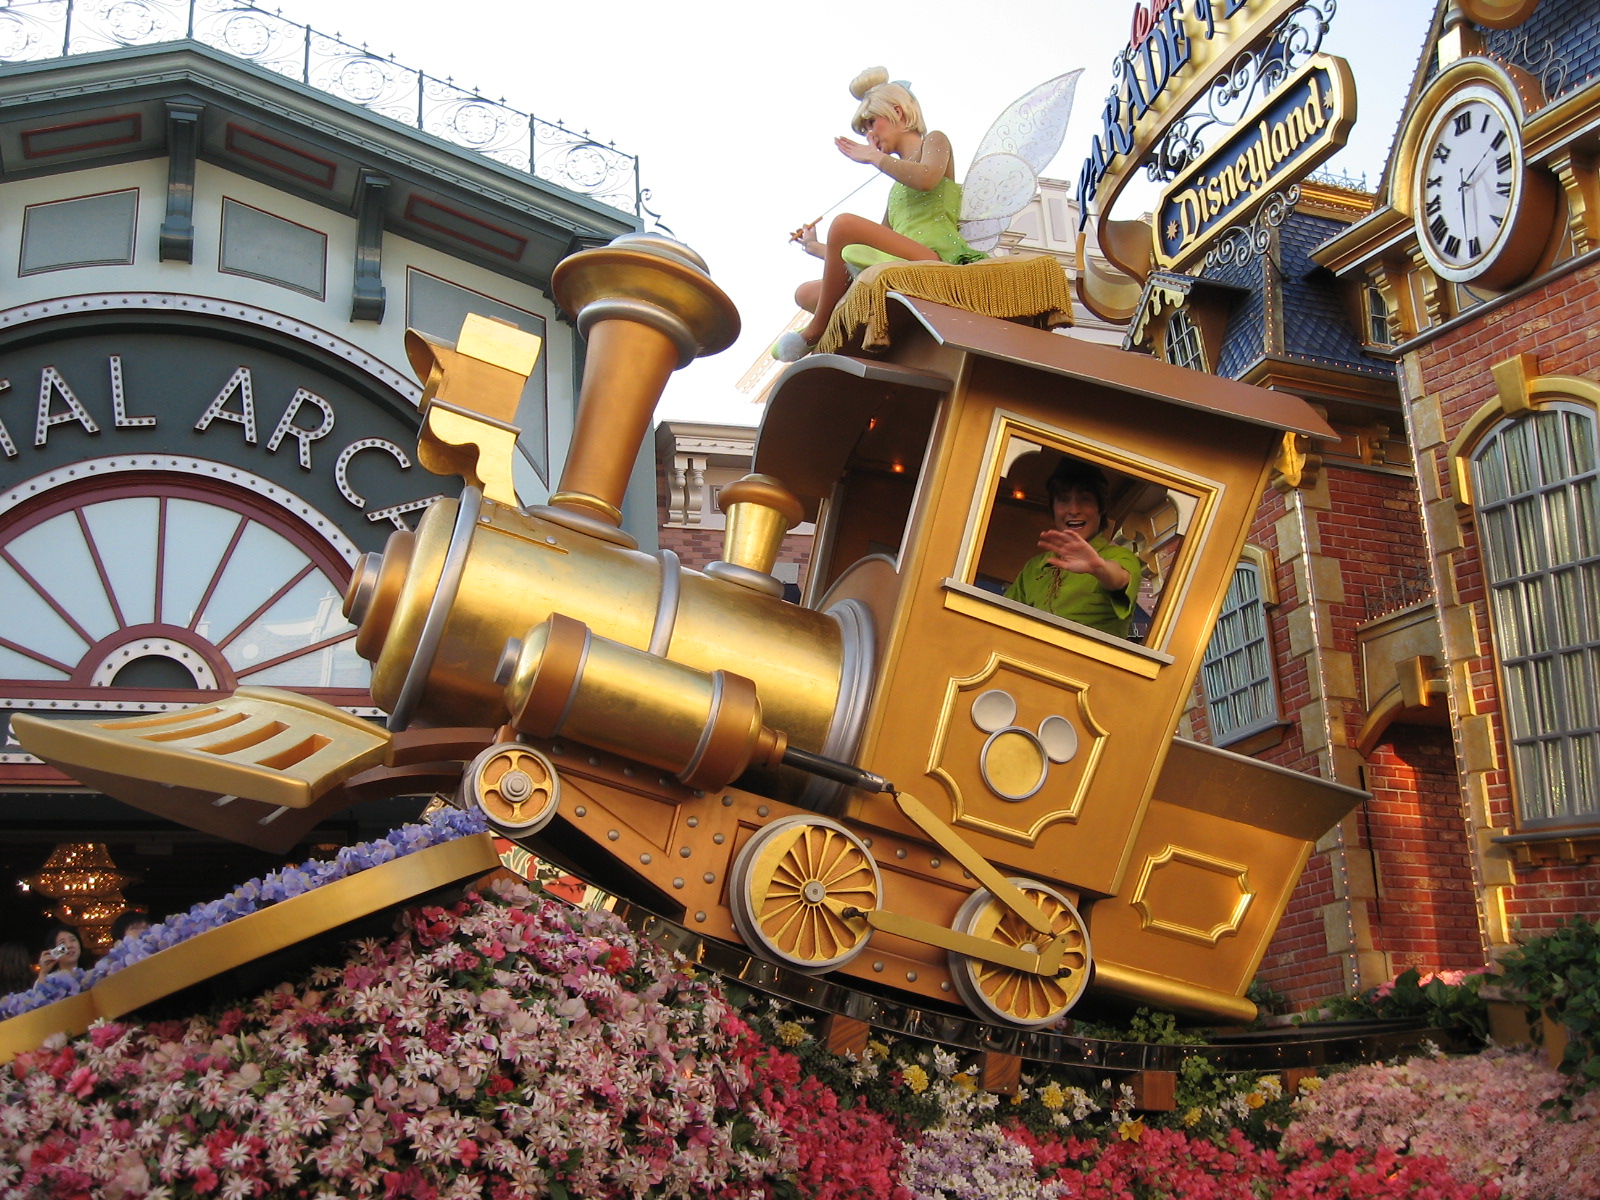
(693, 742)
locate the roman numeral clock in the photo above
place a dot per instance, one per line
(1483, 215)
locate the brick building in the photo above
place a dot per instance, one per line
(1490, 311)
(694, 462)
(1418, 613)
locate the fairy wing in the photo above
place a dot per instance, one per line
(1005, 169)
(998, 186)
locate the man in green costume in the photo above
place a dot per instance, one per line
(1081, 574)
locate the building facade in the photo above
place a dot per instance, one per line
(1415, 614)
(207, 412)
(1489, 306)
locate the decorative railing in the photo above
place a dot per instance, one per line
(1341, 179)
(1408, 586)
(36, 30)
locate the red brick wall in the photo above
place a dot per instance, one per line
(1557, 325)
(1298, 963)
(1426, 913)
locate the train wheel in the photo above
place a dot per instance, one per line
(1003, 993)
(516, 787)
(792, 883)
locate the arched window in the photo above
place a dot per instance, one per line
(1241, 695)
(160, 580)
(1538, 505)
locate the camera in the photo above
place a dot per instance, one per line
(58, 952)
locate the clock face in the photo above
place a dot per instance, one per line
(1469, 181)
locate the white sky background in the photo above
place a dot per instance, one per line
(732, 107)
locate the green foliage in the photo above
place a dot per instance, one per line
(1447, 1000)
(1146, 1026)
(1559, 975)
(1210, 1103)
(1267, 999)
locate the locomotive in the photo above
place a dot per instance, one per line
(905, 780)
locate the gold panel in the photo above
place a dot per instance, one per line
(1000, 773)
(269, 745)
(1192, 915)
(1179, 889)
(500, 344)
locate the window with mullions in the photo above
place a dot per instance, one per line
(1183, 343)
(1377, 317)
(1241, 697)
(1538, 504)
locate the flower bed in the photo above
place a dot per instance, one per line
(511, 1047)
(440, 827)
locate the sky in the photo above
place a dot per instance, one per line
(732, 107)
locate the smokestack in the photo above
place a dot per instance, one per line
(647, 307)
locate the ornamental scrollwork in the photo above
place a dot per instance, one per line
(260, 37)
(1540, 58)
(579, 162)
(29, 32)
(1255, 238)
(109, 24)
(1239, 91)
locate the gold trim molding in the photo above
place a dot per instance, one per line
(1498, 14)
(1170, 854)
(1091, 744)
(1519, 390)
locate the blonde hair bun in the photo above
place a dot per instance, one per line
(870, 78)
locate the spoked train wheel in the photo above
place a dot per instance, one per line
(514, 785)
(790, 886)
(1016, 997)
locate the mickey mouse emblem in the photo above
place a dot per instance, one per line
(1014, 761)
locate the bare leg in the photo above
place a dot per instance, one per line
(850, 230)
(807, 293)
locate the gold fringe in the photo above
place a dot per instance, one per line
(1010, 287)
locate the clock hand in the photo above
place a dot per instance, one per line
(1472, 175)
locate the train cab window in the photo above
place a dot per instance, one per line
(1148, 514)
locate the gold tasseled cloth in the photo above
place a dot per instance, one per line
(1010, 287)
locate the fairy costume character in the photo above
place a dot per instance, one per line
(931, 217)
(924, 204)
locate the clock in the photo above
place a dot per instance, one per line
(1483, 216)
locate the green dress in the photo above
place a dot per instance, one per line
(1079, 597)
(931, 218)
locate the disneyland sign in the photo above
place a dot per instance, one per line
(1303, 122)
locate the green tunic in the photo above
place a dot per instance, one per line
(1080, 597)
(931, 218)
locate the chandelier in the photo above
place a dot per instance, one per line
(87, 889)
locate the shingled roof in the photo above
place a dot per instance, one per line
(1311, 325)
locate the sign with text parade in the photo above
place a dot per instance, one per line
(1299, 126)
(1176, 48)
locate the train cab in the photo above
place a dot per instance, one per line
(1044, 739)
